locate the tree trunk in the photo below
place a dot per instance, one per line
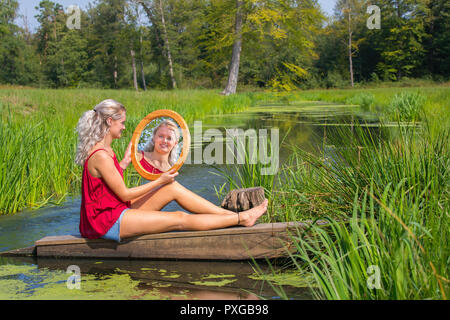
(115, 72)
(350, 46)
(142, 68)
(133, 61)
(166, 43)
(238, 200)
(236, 53)
(151, 17)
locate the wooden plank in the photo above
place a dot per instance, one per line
(220, 247)
(258, 228)
(22, 252)
(238, 243)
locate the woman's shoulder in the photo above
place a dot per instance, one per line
(101, 154)
(98, 158)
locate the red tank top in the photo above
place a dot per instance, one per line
(148, 167)
(100, 207)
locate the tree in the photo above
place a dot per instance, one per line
(63, 52)
(400, 42)
(437, 27)
(351, 15)
(236, 52)
(269, 30)
(155, 11)
(108, 49)
(17, 56)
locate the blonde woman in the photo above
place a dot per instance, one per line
(161, 151)
(111, 210)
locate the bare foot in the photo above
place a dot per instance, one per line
(248, 218)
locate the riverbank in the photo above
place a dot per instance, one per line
(392, 189)
(387, 199)
(33, 120)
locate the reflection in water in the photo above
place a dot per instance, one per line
(147, 279)
(312, 127)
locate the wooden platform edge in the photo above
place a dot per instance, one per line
(275, 227)
(22, 252)
(282, 229)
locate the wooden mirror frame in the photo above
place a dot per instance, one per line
(137, 135)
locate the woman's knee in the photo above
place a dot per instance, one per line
(181, 220)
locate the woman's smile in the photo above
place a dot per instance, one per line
(164, 139)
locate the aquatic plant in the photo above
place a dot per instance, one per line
(407, 106)
(387, 203)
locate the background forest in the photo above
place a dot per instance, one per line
(281, 45)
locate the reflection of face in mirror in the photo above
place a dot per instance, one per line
(160, 145)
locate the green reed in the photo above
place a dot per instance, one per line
(384, 251)
(385, 194)
(386, 201)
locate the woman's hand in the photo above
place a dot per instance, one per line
(167, 177)
(126, 158)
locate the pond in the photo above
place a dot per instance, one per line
(308, 124)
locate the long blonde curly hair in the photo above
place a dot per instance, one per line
(150, 146)
(92, 126)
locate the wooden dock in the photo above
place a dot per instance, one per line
(266, 240)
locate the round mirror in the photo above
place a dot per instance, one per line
(160, 143)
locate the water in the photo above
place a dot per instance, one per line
(309, 125)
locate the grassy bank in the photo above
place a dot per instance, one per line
(386, 200)
(388, 211)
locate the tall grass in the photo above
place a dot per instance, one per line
(38, 138)
(385, 251)
(387, 202)
(385, 193)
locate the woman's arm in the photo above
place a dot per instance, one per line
(104, 164)
(126, 158)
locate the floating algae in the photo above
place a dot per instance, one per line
(30, 282)
(215, 276)
(172, 276)
(149, 269)
(213, 283)
(222, 280)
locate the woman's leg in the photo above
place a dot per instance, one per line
(138, 222)
(188, 200)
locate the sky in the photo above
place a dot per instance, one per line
(27, 8)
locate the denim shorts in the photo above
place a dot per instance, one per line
(114, 232)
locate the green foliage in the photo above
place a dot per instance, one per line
(334, 79)
(385, 202)
(286, 45)
(365, 100)
(407, 106)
